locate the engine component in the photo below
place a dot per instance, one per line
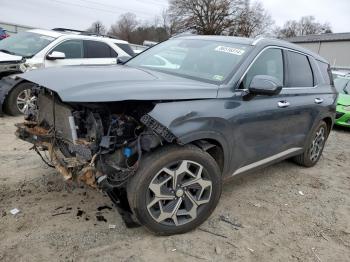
(73, 129)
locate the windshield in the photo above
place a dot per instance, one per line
(210, 61)
(25, 44)
(342, 85)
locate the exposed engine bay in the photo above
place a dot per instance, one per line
(100, 144)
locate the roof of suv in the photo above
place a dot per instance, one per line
(57, 34)
(255, 42)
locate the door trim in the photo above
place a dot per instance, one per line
(266, 160)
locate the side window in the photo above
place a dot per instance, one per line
(126, 48)
(325, 71)
(299, 71)
(96, 49)
(270, 62)
(71, 48)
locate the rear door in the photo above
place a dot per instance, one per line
(99, 53)
(305, 94)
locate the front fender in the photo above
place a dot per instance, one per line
(196, 120)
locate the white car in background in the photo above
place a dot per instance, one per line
(39, 48)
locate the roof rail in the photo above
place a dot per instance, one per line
(60, 29)
(257, 40)
(68, 30)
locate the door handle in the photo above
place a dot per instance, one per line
(318, 100)
(283, 104)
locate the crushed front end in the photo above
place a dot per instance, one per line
(100, 144)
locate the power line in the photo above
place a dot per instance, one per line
(114, 6)
(154, 2)
(96, 8)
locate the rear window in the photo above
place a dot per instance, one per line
(95, 49)
(299, 71)
(325, 71)
(126, 48)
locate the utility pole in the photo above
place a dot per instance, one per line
(97, 28)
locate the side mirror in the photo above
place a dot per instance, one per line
(265, 85)
(56, 55)
(123, 59)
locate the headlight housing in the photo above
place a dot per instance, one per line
(346, 108)
(24, 67)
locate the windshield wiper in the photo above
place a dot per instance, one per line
(7, 51)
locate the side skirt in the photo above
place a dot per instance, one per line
(268, 161)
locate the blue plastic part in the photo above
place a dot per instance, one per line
(127, 151)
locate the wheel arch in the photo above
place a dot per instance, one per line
(328, 120)
(8, 84)
(214, 144)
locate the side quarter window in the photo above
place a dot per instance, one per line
(71, 48)
(299, 71)
(96, 49)
(270, 62)
(326, 72)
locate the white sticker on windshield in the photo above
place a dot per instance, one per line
(218, 77)
(230, 50)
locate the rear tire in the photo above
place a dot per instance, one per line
(175, 189)
(315, 146)
(19, 99)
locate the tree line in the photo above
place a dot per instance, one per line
(242, 18)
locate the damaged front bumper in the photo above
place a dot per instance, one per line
(71, 168)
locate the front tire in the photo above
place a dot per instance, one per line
(315, 146)
(175, 189)
(20, 100)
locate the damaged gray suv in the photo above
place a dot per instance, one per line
(160, 133)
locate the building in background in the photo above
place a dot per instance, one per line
(333, 47)
(14, 28)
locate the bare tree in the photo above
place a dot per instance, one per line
(124, 27)
(307, 25)
(97, 28)
(207, 17)
(170, 23)
(290, 29)
(251, 20)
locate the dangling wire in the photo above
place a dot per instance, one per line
(42, 158)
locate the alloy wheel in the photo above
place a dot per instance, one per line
(26, 101)
(178, 192)
(317, 144)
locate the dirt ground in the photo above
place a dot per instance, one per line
(282, 213)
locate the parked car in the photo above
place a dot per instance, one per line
(342, 84)
(340, 73)
(138, 48)
(36, 49)
(160, 141)
(3, 34)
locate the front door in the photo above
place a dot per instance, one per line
(73, 50)
(266, 126)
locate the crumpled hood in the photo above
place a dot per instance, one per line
(9, 58)
(344, 100)
(117, 83)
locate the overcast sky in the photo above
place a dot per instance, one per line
(79, 14)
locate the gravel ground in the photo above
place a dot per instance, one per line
(282, 213)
